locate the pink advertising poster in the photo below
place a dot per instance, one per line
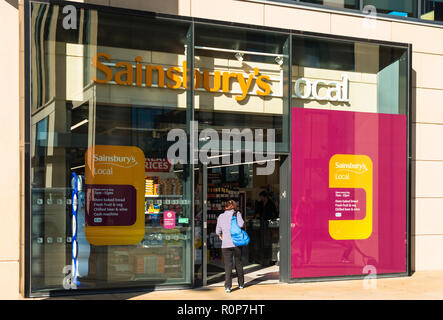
(348, 193)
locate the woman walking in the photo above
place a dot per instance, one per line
(223, 230)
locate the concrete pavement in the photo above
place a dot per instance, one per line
(425, 285)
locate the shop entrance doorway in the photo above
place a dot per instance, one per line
(257, 198)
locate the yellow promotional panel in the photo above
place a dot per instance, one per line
(348, 173)
(114, 177)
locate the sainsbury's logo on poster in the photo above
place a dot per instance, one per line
(358, 168)
(121, 161)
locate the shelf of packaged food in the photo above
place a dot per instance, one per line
(117, 265)
(210, 209)
(153, 277)
(164, 196)
(160, 212)
(162, 228)
(121, 252)
(161, 246)
(149, 277)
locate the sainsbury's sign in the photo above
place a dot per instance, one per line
(175, 77)
(335, 90)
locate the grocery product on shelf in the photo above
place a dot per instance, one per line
(149, 187)
(218, 194)
(150, 264)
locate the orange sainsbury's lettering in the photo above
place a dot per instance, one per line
(198, 79)
(263, 85)
(100, 66)
(197, 76)
(226, 81)
(138, 72)
(128, 72)
(217, 81)
(245, 85)
(172, 75)
(178, 77)
(160, 74)
(185, 74)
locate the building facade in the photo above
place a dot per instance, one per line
(117, 113)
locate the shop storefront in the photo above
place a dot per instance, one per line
(140, 126)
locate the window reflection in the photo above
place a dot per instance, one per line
(325, 125)
(72, 113)
(245, 70)
(432, 10)
(349, 4)
(407, 8)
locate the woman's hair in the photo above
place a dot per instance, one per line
(231, 204)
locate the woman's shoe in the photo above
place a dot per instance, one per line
(241, 287)
(227, 290)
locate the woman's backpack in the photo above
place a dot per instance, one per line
(238, 235)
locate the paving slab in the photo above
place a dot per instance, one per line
(425, 285)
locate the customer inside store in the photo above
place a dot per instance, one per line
(255, 198)
(266, 209)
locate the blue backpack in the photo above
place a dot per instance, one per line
(238, 235)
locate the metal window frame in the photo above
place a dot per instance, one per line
(193, 21)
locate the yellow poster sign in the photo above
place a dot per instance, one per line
(349, 173)
(114, 186)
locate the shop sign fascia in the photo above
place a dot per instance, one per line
(175, 78)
